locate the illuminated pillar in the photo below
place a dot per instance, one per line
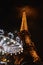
(24, 25)
(31, 47)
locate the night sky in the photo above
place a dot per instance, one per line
(9, 20)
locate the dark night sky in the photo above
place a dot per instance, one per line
(9, 20)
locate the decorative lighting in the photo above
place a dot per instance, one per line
(9, 45)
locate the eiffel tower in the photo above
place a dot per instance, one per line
(31, 47)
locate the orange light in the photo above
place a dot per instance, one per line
(32, 50)
(34, 55)
(29, 11)
(24, 25)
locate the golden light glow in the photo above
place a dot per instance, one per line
(32, 51)
(18, 60)
(4, 59)
(24, 25)
(34, 55)
(29, 11)
(28, 40)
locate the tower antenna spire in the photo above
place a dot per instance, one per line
(24, 25)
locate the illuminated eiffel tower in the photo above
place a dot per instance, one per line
(32, 50)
